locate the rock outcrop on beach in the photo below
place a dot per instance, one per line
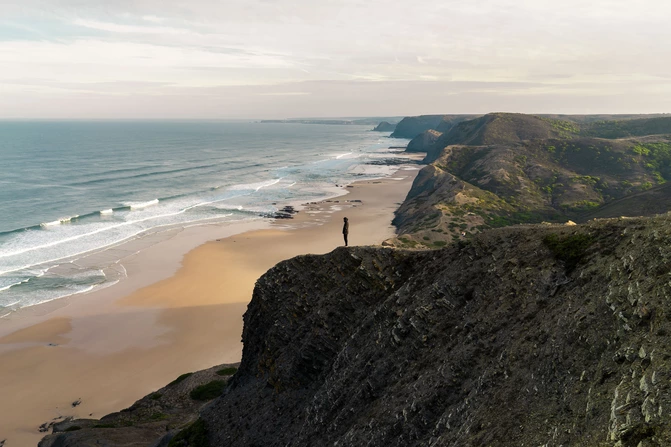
(167, 410)
(546, 335)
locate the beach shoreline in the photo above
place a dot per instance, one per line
(169, 316)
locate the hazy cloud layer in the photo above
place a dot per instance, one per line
(263, 58)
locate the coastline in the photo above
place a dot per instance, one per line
(110, 347)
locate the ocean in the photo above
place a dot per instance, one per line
(71, 193)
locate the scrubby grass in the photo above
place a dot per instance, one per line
(569, 249)
(227, 371)
(195, 435)
(209, 390)
(180, 379)
(155, 396)
(73, 428)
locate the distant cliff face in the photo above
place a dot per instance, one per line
(520, 336)
(498, 128)
(412, 126)
(385, 126)
(424, 142)
(504, 169)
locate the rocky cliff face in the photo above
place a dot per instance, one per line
(424, 142)
(537, 335)
(521, 336)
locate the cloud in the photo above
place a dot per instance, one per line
(153, 19)
(284, 94)
(129, 29)
(122, 48)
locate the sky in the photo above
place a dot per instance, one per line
(196, 59)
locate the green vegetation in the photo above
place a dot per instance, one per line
(439, 243)
(155, 396)
(209, 390)
(656, 158)
(628, 128)
(586, 179)
(227, 371)
(581, 205)
(158, 416)
(570, 249)
(180, 379)
(195, 435)
(641, 150)
(566, 129)
(73, 428)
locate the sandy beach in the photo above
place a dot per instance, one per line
(179, 310)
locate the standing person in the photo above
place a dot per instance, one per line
(345, 229)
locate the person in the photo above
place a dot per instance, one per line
(345, 230)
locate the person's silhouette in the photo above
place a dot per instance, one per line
(345, 230)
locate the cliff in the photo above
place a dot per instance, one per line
(500, 128)
(504, 169)
(385, 126)
(537, 335)
(521, 336)
(424, 142)
(410, 127)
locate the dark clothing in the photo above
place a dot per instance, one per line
(345, 231)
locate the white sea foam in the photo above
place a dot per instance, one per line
(254, 186)
(62, 220)
(338, 157)
(50, 224)
(141, 205)
(106, 212)
(14, 284)
(97, 231)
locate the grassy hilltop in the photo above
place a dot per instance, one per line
(503, 169)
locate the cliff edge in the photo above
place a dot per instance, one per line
(543, 335)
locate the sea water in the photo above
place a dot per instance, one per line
(72, 192)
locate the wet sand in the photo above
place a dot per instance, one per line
(178, 311)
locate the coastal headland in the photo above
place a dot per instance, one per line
(179, 310)
(460, 314)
